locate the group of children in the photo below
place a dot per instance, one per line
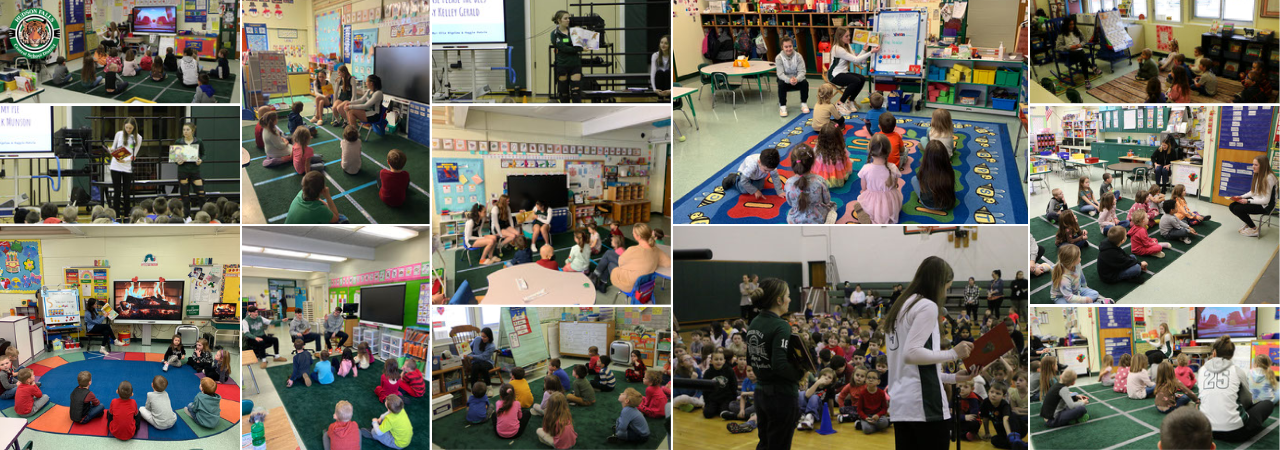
(1199, 77)
(314, 204)
(851, 380)
(515, 405)
(108, 59)
(827, 165)
(1171, 383)
(1171, 218)
(159, 210)
(399, 384)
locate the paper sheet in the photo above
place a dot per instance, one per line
(585, 38)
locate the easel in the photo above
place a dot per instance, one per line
(900, 77)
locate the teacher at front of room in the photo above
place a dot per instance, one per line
(777, 380)
(841, 73)
(369, 104)
(97, 324)
(481, 357)
(919, 408)
(1260, 198)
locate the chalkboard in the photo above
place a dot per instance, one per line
(1245, 128)
(901, 45)
(715, 285)
(523, 331)
(577, 337)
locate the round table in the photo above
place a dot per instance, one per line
(562, 288)
(756, 68)
(1122, 168)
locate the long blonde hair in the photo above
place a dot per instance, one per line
(1108, 361)
(645, 232)
(1048, 372)
(1138, 363)
(1068, 258)
(1260, 179)
(1264, 362)
(557, 415)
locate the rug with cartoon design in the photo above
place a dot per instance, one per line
(988, 185)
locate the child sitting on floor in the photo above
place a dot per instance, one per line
(305, 158)
(523, 254)
(1059, 407)
(342, 434)
(1146, 67)
(873, 405)
(324, 369)
(636, 373)
(550, 384)
(1057, 204)
(1085, 197)
(605, 379)
(896, 157)
(969, 408)
(548, 255)
(872, 119)
(557, 425)
(1173, 228)
(1184, 372)
(1144, 244)
(206, 408)
(1122, 374)
(204, 92)
(412, 382)
(352, 159)
(1069, 285)
(510, 420)
(655, 396)
(1070, 232)
(123, 418)
(1182, 211)
(170, 60)
(478, 408)
(390, 384)
(521, 386)
(1140, 203)
(941, 130)
(301, 365)
(751, 174)
(145, 63)
(582, 392)
(631, 426)
(158, 411)
(1186, 428)
(1115, 264)
(84, 405)
(826, 111)
(1107, 216)
(1170, 393)
(393, 428)
(314, 205)
(1139, 384)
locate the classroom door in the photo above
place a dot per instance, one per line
(818, 274)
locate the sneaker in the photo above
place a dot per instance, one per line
(970, 437)
(857, 425)
(120, 343)
(806, 423)
(1159, 255)
(1105, 301)
(613, 439)
(739, 428)
(306, 379)
(804, 109)
(731, 181)
(1097, 71)
(782, 111)
(842, 109)
(1084, 418)
(726, 415)
(103, 350)
(1206, 218)
(1186, 240)
(1093, 213)
(1250, 232)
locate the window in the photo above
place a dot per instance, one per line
(1234, 10)
(452, 317)
(1208, 9)
(1136, 8)
(489, 317)
(1102, 5)
(1169, 11)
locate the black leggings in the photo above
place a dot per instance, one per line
(1245, 210)
(1081, 58)
(1258, 412)
(565, 85)
(777, 412)
(108, 335)
(121, 184)
(260, 347)
(480, 371)
(785, 87)
(851, 82)
(184, 189)
(1039, 252)
(921, 435)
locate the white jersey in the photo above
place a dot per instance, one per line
(915, 378)
(1222, 386)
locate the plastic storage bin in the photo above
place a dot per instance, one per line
(1008, 77)
(984, 76)
(969, 97)
(1006, 104)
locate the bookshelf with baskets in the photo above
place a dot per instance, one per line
(1080, 130)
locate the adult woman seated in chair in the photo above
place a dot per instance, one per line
(97, 324)
(1162, 159)
(500, 221)
(1071, 41)
(369, 104)
(471, 232)
(639, 260)
(1260, 198)
(481, 357)
(841, 73)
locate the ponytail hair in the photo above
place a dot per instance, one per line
(644, 232)
(801, 163)
(508, 396)
(769, 292)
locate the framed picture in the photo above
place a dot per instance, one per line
(1270, 8)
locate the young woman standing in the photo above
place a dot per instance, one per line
(777, 380)
(568, 60)
(122, 167)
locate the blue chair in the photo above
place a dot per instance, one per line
(642, 292)
(468, 249)
(463, 296)
(377, 123)
(1063, 58)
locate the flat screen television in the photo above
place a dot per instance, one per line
(155, 19)
(405, 72)
(224, 311)
(148, 301)
(383, 304)
(1236, 322)
(551, 190)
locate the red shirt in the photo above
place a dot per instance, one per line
(655, 402)
(123, 426)
(413, 384)
(594, 364)
(873, 403)
(615, 232)
(548, 263)
(850, 394)
(146, 65)
(257, 137)
(25, 398)
(896, 152)
(52, 220)
(394, 187)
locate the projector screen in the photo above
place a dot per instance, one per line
(405, 72)
(1233, 321)
(383, 304)
(148, 302)
(155, 19)
(26, 129)
(476, 22)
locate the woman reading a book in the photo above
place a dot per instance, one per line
(188, 168)
(777, 379)
(919, 409)
(123, 149)
(96, 322)
(841, 73)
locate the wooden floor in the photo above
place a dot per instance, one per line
(693, 431)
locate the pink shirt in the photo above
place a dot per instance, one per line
(509, 422)
(567, 437)
(302, 158)
(1122, 380)
(1185, 375)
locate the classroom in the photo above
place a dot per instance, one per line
(1125, 51)
(344, 73)
(119, 164)
(949, 71)
(97, 315)
(838, 300)
(511, 51)
(610, 366)
(1211, 166)
(148, 51)
(581, 190)
(322, 304)
(1138, 377)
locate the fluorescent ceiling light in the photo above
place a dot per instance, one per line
(320, 257)
(390, 232)
(277, 268)
(285, 253)
(250, 249)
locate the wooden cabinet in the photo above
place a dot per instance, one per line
(630, 212)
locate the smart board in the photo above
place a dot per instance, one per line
(472, 22)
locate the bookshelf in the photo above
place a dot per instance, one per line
(1235, 54)
(808, 28)
(1080, 130)
(452, 226)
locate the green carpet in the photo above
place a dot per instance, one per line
(169, 90)
(311, 408)
(1043, 232)
(478, 276)
(277, 186)
(1108, 428)
(594, 424)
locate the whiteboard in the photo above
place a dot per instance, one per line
(577, 337)
(1130, 119)
(61, 308)
(901, 45)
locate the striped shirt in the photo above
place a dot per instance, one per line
(915, 356)
(607, 378)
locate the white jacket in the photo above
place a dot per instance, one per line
(1223, 388)
(190, 70)
(133, 143)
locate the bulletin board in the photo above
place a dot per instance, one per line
(92, 282)
(329, 33)
(1244, 133)
(1115, 329)
(1269, 348)
(23, 271)
(206, 288)
(231, 283)
(291, 43)
(901, 45)
(362, 44)
(586, 178)
(459, 183)
(523, 331)
(256, 37)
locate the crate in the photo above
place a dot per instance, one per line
(984, 76)
(1008, 77)
(1006, 104)
(894, 97)
(969, 97)
(904, 103)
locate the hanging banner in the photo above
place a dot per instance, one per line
(410, 272)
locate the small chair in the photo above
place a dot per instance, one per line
(468, 249)
(463, 296)
(1038, 180)
(705, 79)
(1268, 218)
(462, 335)
(720, 83)
(1140, 175)
(377, 123)
(642, 292)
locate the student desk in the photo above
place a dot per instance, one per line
(20, 96)
(1125, 167)
(757, 68)
(247, 360)
(276, 428)
(562, 288)
(679, 92)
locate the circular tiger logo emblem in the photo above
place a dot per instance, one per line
(35, 33)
